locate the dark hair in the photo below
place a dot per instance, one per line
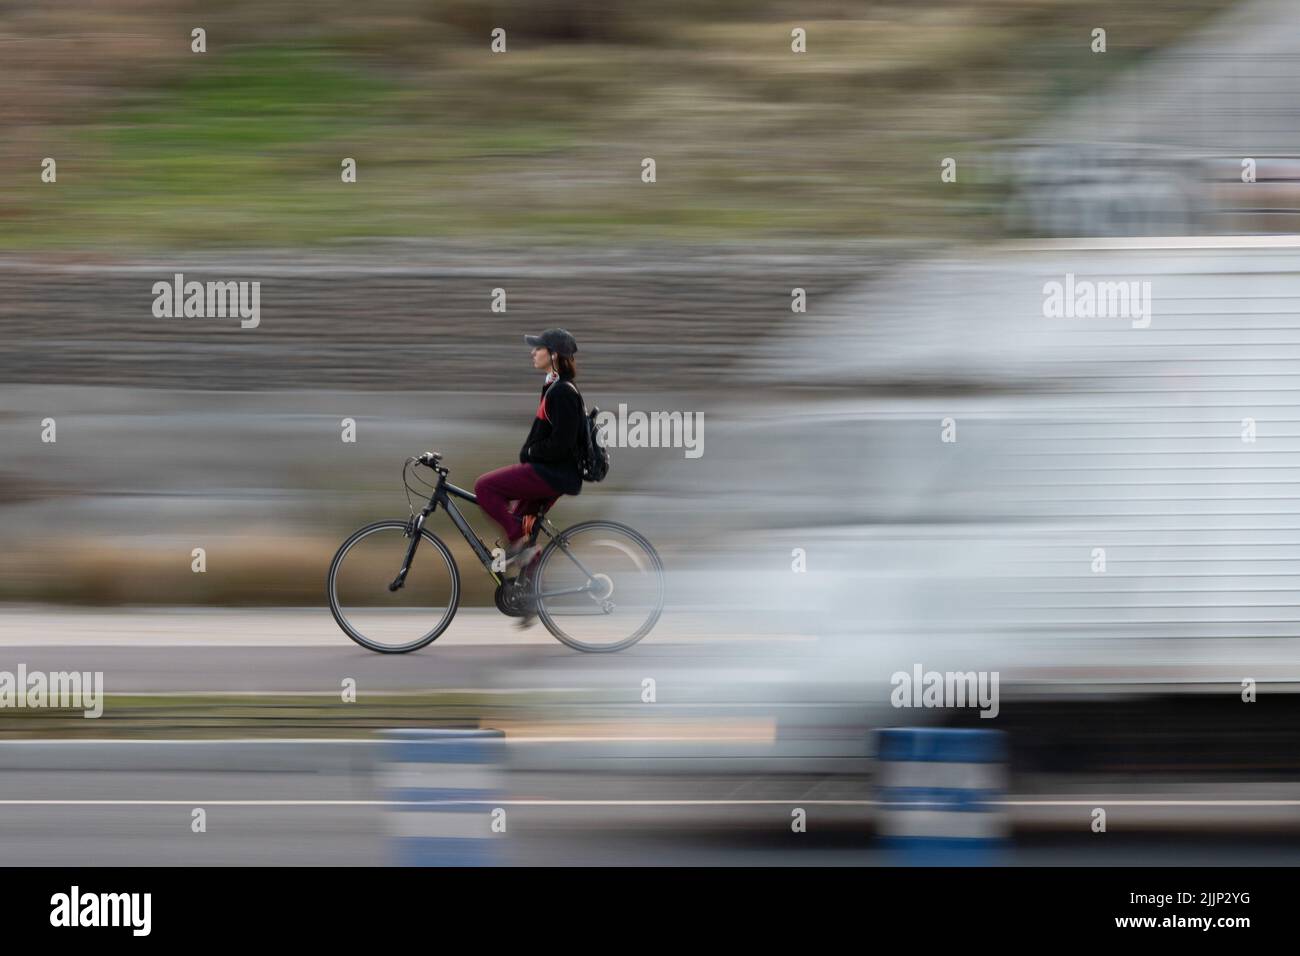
(567, 365)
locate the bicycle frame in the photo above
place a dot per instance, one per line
(443, 493)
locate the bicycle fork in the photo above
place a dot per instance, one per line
(413, 532)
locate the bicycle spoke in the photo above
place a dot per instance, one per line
(606, 592)
(386, 620)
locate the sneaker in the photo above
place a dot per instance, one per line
(520, 553)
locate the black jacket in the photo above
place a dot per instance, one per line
(552, 443)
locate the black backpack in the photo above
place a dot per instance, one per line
(592, 457)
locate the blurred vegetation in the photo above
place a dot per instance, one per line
(227, 715)
(199, 716)
(255, 568)
(158, 147)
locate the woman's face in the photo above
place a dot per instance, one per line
(542, 359)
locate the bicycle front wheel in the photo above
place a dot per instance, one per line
(392, 622)
(599, 586)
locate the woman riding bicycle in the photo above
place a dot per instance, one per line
(597, 585)
(548, 466)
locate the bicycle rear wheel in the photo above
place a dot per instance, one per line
(599, 586)
(392, 622)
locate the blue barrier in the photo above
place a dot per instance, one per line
(937, 794)
(445, 783)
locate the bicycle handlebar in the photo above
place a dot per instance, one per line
(429, 458)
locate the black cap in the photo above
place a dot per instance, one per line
(557, 340)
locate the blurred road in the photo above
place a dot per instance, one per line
(266, 650)
(326, 809)
(354, 836)
(297, 650)
(296, 627)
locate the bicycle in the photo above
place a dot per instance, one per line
(592, 576)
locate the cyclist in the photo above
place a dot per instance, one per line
(548, 466)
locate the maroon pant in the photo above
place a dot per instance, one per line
(513, 483)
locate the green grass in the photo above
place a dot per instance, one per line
(242, 147)
(214, 716)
